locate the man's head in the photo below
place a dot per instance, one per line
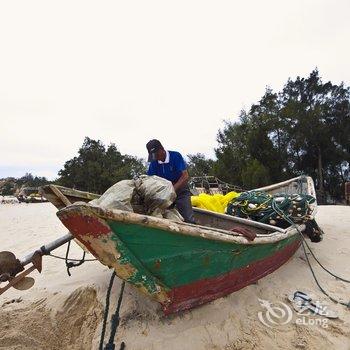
(155, 150)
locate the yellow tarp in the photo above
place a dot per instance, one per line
(213, 202)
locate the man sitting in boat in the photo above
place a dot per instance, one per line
(171, 165)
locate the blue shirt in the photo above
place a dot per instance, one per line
(171, 169)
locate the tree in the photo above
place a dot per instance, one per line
(232, 151)
(96, 168)
(199, 165)
(304, 128)
(255, 175)
(8, 189)
(28, 180)
(320, 118)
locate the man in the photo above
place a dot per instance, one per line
(170, 165)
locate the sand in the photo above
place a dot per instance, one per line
(62, 312)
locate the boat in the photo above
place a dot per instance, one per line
(8, 200)
(181, 265)
(35, 198)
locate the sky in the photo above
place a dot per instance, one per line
(129, 71)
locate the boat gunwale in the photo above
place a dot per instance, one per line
(255, 224)
(177, 227)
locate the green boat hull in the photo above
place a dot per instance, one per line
(177, 264)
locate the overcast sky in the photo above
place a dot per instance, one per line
(128, 71)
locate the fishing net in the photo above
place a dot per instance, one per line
(272, 209)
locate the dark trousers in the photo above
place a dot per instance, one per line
(183, 204)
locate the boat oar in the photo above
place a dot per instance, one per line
(12, 269)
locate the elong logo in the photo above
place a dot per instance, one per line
(279, 314)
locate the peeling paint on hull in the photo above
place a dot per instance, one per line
(203, 291)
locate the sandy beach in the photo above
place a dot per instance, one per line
(62, 312)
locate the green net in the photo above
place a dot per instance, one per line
(271, 209)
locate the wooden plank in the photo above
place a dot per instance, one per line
(58, 193)
(76, 193)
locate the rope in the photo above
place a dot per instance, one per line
(261, 206)
(115, 323)
(318, 283)
(304, 243)
(70, 259)
(324, 268)
(48, 253)
(115, 318)
(105, 316)
(69, 262)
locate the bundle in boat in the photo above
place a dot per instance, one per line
(150, 195)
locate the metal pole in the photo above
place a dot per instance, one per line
(44, 250)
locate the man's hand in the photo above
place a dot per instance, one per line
(182, 181)
(250, 235)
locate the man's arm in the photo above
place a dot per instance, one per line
(182, 181)
(151, 169)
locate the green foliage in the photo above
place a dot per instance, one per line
(255, 175)
(11, 185)
(233, 150)
(28, 180)
(199, 165)
(304, 128)
(8, 188)
(97, 167)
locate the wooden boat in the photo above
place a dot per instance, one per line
(180, 265)
(61, 196)
(8, 200)
(35, 199)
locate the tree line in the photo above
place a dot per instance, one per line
(11, 185)
(302, 129)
